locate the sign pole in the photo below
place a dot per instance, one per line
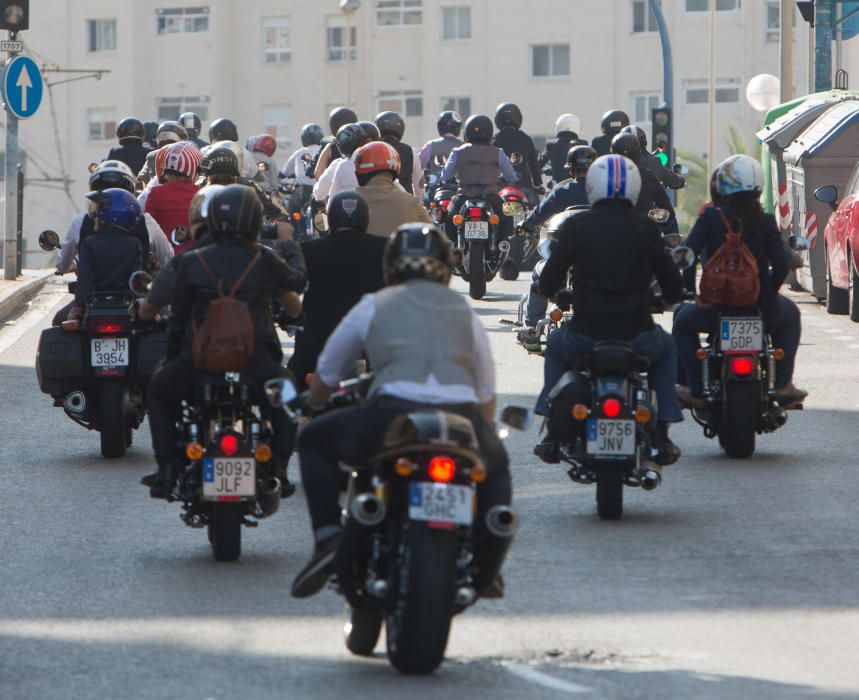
(10, 243)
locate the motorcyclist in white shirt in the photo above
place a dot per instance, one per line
(340, 174)
(297, 171)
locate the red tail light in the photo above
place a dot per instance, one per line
(445, 203)
(110, 326)
(475, 212)
(611, 408)
(742, 366)
(229, 444)
(441, 468)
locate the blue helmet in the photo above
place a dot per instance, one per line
(116, 207)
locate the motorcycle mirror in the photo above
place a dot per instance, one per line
(92, 167)
(545, 248)
(320, 222)
(139, 282)
(660, 216)
(828, 194)
(671, 240)
(515, 158)
(280, 392)
(263, 166)
(517, 417)
(180, 235)
(684, 257)
(438, 215)
(49, 240)
(799, 243)
(680, 169)
(547, 169)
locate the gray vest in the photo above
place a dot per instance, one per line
(441, 147)
(477, 165)
(421, 328)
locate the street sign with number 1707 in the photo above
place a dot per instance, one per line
(9, 45)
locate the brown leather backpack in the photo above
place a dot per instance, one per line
(224, 342)
(731, 277)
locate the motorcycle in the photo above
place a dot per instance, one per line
(515, 206)
(405, 551)
(479, 243)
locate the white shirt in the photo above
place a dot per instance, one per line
(344, 177)
(249, 167)
(323, 184)
(417, 175)
(296, 169)
(346, 344)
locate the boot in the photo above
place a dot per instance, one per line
(789, 394)
(165, 478)
(669, 453)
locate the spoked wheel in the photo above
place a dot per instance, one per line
(362, 629)
(610, 493)
(112, 419)
(225, 531)
(739, 418)
(476, 270)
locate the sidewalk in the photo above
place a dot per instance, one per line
(15, 293)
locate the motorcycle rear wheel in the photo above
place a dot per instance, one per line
(112, 419)
(362, 629)
(610, 493)
(476, 270)
(225, 531)
(739, 419)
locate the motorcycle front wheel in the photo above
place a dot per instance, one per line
(112, 419)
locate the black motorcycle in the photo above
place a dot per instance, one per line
(479, 242)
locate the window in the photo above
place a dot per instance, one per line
(335, 41)
(394, 13)
(643, 106)
(457, 104)
(774, 20)
(550, 60)
(704, 5)
(643, 19)
(277, 121)
(455, 22)
(276, 40)
(182, 20)
(102, 34)
(101, 124)
(169, 108)
(725, 94)
(409, 103)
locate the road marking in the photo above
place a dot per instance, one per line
(13, 332)
(534, 676)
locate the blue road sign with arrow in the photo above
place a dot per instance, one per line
(22, 87)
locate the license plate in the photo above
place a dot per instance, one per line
(109, 352)
(228, 478)
(441, 503)
(477, 229)
(611, 438)
(741, 334)
(519, 218)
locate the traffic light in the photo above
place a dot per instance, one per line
(661, 120)
(806, 9)
(14, 15)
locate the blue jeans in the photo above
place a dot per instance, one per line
(785, 327)
(563, 346)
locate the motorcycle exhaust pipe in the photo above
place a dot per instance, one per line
(367, 509)
(75, 402)
(269, 496)
(502, 522)
(650, 477)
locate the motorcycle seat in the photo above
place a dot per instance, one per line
(415, 431)
(613, 358)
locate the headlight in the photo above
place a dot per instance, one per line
(512, 208)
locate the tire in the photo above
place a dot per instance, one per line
(476, 270)
(854, 286)
(837, 299)
(418, 627)
(112, 419)
(739, 419)
(610, 493)
(225, 531)
(362, 629)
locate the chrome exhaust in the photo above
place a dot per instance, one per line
(465, 596)
(650, 476)
(269, 496)
(75, 402)
(502, 522)
(367, 509)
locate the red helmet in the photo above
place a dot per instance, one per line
(160, 157)
(182, 158)
(376, 157)
(264, 143)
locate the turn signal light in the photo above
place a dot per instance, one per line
(611, 408)
(194, 452)
(296, 216)
(308, 378)
(556, 315)
(457, 219)
(478, 473)
(404, 467)
(642, 415)
(229, 444)
(441, 469)
(262, 453)
(70, 326)
(701, 354)
(580, 411)
(494, 219)
(778, 354)
(742, 366)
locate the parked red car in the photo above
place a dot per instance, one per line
(841, 238)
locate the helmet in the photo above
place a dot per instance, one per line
(170, 132)
(390, 124)
(739, 174)
(191, 122)
(339, 117)
(264, 143)
(371, 130)
(182, 158)
(640, 134)
(568, 123)
(220, 160)
(613, 177)
(130, 128)
(350, 138)
(580, 157)
(417, 251)
(150, 128)
(116, 207)
(223, 130)
(199, 208)
(449, 122)
(376, 157)
(508, 114)
(160, 158)
(235, 209)
(348, 209)
(478, 129)
(311, 135)
(613, 121)
(627, 144)
(112, 173)
(237, 150)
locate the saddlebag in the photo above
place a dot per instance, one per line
(571, 389)
(151, 349)
(59, 361)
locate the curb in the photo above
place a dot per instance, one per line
(13, 299)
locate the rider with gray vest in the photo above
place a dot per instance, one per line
(449, 128)
(427, 348)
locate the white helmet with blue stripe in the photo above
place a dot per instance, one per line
(613, 177)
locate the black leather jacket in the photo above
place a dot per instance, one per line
(132, 153)
(556, 151)
(512, 141)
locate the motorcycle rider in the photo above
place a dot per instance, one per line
(192, 123)
(298, 169)
(449, 127)
(649, 161)
(263, 148)
(391, 128)
(427, 348)
(168, 132)
(653, 195)
(613, 253)
(340, 174)
(510, 137)
(339, 117)
(234, 220)
(168, 203)
(612, 122)
(150, 128)
(131, 149)
(567, 130)
(223, 129)
(739, 182)
(376, 167)
(220, 166)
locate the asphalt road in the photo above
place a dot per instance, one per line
(736, 579)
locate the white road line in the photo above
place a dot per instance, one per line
(534, 676)
(845, 337)
(12, 333)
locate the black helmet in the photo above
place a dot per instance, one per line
(112, 173)
(580, 157)
(150, 128)
(626, 144)
(449, 122)
(350, 138)
(639, 134)
(236, 209)
(417, 251)
(223, 129)
(339, 117)
(478, 129)
(170, 132)
(371, 130)
(130, 128)
(311, 135)
(613, 121)
(192, 124)
(348, 209)
(508, 114)
(390, 124)
(220, 161)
